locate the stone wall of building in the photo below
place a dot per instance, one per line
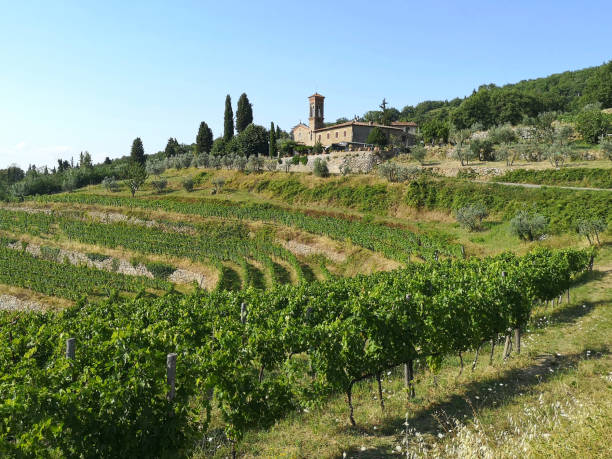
(329, 136)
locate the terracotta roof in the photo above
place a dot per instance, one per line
(316, 94)
(356, 123)
(403, 123)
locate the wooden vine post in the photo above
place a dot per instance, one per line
(243, 313)
(171, 375)
(71, 348)
(409, 371)
(508, 343)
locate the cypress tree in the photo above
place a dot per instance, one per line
(204, 139)
(278, 132)
(244, 113)
(228, 120)
(272, 146)
(137, 153)
(171, 147)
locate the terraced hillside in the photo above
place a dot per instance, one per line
(152, 243)
(308, 318)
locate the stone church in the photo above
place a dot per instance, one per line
(345, 134)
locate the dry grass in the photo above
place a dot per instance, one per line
(48, 303)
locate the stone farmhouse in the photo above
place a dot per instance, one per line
(352, 133)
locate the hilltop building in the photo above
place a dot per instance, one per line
(352, 132)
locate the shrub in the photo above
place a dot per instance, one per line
(377, 137)
(159, 185)
(418, 153)
(320, 168)
(218, 184)
(467, 174)
(188, 184)
(591, 228)
(255, 163)
(271, 165)
(528, 226)
(110, 184)
(155, 166)
(137, 175)
(471, 216)
(295, 160)
(396, 173)
(502, 134)
(557, 154)
(482, 148)
(159, 269)
(97, 257)
(318, 147)
(592, 124)
(303, 160)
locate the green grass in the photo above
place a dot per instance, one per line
(566, 176)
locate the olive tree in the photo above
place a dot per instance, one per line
(136, 176)
(471, 216)
(528, 225)
(591, 227)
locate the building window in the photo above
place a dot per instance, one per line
(344, 133)
(336, 134)
(319, 137)
(328, 135)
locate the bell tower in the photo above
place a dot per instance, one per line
(315, 119)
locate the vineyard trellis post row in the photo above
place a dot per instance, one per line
(171, 375)
(71, 348)
(243, 313)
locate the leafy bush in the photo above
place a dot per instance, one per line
(159, 269)
(304, 160)
(591, 228)
(528, 226)
(97, 257)
(418, 153)
(592, 124)
(110, 184)
(377, 137)
(218, 184)
(188, 184)
(467, 174)
(502, 134)
(397, 173)
(471, 216)
(295, 160)
(255, 163)
(320, 168)
(159, 185)
(482, 148)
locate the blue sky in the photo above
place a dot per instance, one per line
(93, 76)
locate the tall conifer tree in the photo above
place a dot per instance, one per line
(204, 139)
(137, 153)
(228, 120)
(272, 146)
(244, 113)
